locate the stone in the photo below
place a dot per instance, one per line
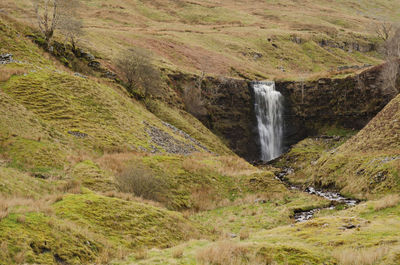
(78, 134)
(94, 64)
(6, 58)
(80, 75)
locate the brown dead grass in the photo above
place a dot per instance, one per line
(130, 197)
(225, 252)
(7, 73)
(225, 165)
(234, 166)
(360, 256)
(228, 253)
(22, 205)
(116, 162)
(177, 253)
(387, 202)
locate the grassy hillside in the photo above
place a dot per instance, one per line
(366, 234)
(65, 139)
(88, 175)
(369, 163)
(257, 39)
(74, 149)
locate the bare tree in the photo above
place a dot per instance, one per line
(390, 73)
(139, 72)
(70, 24)
(384, 30)
(57, 14)
(47, 14)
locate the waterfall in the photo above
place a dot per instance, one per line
(269, 110)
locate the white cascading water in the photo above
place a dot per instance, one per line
(269, 111)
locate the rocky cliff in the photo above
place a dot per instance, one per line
(342, 102)
(309, 106)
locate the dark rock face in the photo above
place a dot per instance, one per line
(230, 111)
(351, 103)
(348, 46)
(232, 116)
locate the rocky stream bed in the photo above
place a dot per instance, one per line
(334, 197)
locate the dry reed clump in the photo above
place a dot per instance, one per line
(177, 253)
(228, 253)
(224, 165)
(353, 256)
(70, 186)
(130, 197)
(22, 205)
(7, 73)
(234, 166)
(387, 202)
(204, 199)
(244, 234)
(141, 254)
(193, 164)
(116, 162)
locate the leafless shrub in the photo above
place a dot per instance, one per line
(56, 14)
(390, 71)
(383, 29)
(139, 72)
(193, 98)
(197, 97)
(142, 182)
(71, 26)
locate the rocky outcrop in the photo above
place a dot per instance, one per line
(348, 46)
(349, 102)
(230, 110)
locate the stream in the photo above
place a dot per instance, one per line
(334, 197)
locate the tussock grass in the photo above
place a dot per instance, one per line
(7, 73)
(387, 202)
(354, 256)
(225, 252)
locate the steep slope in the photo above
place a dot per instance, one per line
(256, 39)
(369, 162)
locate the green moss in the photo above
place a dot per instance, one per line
(92, 177)
(130, 224)
(35, 156)
(38, 239)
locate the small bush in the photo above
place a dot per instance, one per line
(142, 182)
